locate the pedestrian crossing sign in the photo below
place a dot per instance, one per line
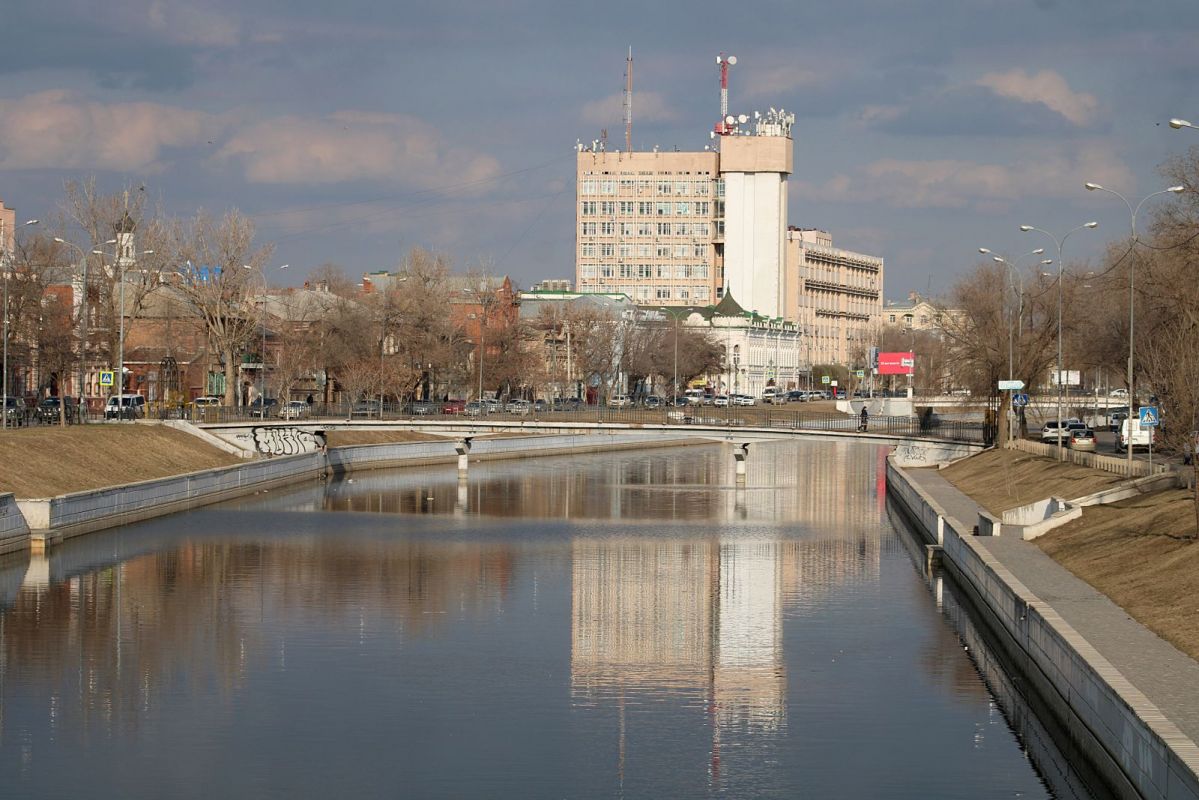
(106, 376)
(1149, 416)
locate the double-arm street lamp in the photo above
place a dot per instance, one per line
(262, 356)
(1014, 275)
(1059, 242)
(1132, 272)
(6, 265)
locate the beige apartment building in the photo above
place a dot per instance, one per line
(834, 295)
(648, 226)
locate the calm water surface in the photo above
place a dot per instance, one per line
(618, 625)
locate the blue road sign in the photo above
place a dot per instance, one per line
(1019, 400)
(1149, 416)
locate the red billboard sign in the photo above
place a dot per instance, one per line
(896, 363)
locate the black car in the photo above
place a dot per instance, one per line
(261, 408)
(48, 410)
(1115, 420)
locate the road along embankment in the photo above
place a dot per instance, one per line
(42, 521)
(1128, 740)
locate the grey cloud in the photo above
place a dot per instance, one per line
(975, 111)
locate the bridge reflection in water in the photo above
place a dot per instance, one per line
(573, 626)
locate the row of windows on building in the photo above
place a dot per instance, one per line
(644, 229)
(822, 300)
(646, 271)
(853, 278)
(646, 185)
(645, 208)
(608, 250)
(642, 294)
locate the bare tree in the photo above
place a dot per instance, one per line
(220, 258)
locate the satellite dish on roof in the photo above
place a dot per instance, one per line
(729, 119)
(742, 119)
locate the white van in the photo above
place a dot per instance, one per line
(127, 406)
(694, 397)
(1141, 435)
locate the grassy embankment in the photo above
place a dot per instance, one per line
(1141, 552)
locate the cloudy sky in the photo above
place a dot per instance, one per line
(354, 130)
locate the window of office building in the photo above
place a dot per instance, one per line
(607, 250)
(699, 251)
(627, 207)
(663, 251)
(663, 293)
(589, 208)
(680, 251)
(662, 209)
(607, 187)
(682, 208)
(627, 228)
(663, 228)
(588, 228)
(645, 208)
(589, 186)
(607, 208)
(607, 228)
(663, 187)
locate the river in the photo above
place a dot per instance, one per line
(615, 625)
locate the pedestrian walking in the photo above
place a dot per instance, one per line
(865, 418)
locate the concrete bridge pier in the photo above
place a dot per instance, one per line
(740, 452)
(462, 447)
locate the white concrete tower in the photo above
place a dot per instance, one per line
(754, 167)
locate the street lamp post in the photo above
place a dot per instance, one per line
(676, 315)
(1132, 272)
(6, 259)
(1059, 242)
(83, 311)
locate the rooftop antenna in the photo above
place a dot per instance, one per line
(724, 63)
(628, 102)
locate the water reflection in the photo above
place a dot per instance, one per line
(671, 637)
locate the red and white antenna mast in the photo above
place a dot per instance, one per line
(724, 62)
(628, 102)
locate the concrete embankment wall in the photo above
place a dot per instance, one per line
(1138, 751)
(14, 531)
(57, 518)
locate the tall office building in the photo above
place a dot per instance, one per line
(688, 228)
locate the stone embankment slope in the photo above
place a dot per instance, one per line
(49, 461)
(1141, 553)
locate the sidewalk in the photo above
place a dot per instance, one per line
(1167, 677)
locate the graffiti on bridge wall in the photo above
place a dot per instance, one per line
(286, 441)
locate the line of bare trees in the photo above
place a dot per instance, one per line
(119, 257)
(1096, 300)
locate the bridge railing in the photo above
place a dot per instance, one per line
(781, 417)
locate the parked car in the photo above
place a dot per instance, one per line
(453, 407)
(1082, 439)
(126, 406)
(652, 401)
(14, 410)
(521, 407)
(1118, 393)
(423, 409)
(295, 409)
(694, 396)
(769, 395)
(567, 404)
(1051, 434)
(1115, 420)
(48, 410)
(492, 405)
(365, 408)
(720, 400)
(744, 400)
(797, 396)
(539, 406)
(619, 401)
(262, 407)
(474, 409)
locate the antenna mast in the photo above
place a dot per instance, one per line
(628, 102)
(723, 127)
